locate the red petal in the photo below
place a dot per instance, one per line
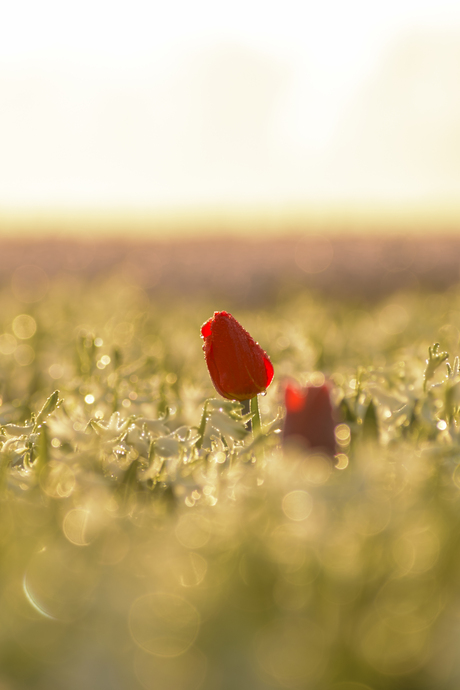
(206, 329)
(310, 417)
(269, 371)
(294, 398)
(238, 366)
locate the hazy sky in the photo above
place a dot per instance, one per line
(193, 104)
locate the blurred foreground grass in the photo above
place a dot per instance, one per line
(133, 558)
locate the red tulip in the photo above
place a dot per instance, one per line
(309, 417)
(238, 366)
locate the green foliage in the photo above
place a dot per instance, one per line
(435, 359)
(148, 540)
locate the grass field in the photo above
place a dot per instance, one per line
(142, 546)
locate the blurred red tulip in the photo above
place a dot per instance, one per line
(309, 417)
(238, 366)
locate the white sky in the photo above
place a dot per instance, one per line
(177, 104)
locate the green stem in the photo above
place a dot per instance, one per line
(202, 427)
(256, 427)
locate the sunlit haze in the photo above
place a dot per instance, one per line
(187, 108)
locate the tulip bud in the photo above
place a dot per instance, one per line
(237, 365)
(309, 418)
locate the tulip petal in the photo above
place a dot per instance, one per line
(206, 329)
(269, 371)
(238, 366)
(310, 417)
(294, 398)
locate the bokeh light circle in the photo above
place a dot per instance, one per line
(163, 624)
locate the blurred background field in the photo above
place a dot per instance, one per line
(238, 270)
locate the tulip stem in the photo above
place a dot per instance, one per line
(202, 427)
(256, 426)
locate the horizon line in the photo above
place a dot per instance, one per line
(331, 218)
